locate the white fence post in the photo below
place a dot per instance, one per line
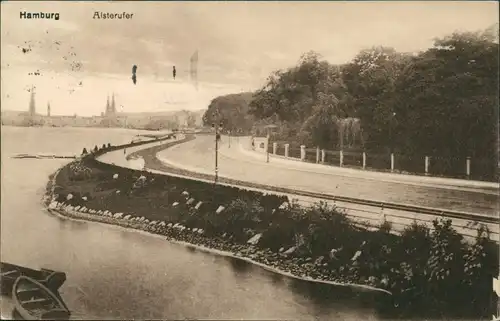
(322, 156)
(341, 158)
(287, 146)
(426, 165)
(302, 152)
(275, 147)
(364, 160)
(317, 155)
(392, 162)
(468, 166)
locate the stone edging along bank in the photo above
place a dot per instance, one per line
(176, 233)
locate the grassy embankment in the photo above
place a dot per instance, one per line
(432, 271)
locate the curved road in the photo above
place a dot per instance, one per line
(198, 155)
(147, 155)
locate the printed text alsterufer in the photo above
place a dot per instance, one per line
(107, 15)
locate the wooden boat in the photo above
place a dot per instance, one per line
(34, 301)
(10, 272)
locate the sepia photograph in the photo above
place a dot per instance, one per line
(250, 160)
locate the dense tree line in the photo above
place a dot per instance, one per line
(442, 102)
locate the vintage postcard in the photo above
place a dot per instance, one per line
(250, 160)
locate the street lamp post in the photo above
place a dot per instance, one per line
(268, 127)
(267, 145)
(229, 135)
(217, 138)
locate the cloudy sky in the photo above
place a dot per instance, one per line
(81, 59)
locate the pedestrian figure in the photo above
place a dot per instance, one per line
(174, 72)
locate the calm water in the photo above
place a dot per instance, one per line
(115, 274)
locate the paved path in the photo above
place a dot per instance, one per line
(234, 163)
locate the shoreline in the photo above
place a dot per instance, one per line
(186, 239)
(142, 228)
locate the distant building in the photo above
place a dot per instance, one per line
(110, 108)
(110, 117)
(32, 108)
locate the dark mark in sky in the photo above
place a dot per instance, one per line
(25, 49)
(174, 72)
(76, 66)
(29, 88)
(36, 73)
(134, 77)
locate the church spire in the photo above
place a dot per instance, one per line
(113, 107)
(107, 105)
(48, 109)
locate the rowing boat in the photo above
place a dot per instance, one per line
(10, 272)
(34, 301)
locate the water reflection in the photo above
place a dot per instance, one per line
(239, 266)
(71, 224)
(276, 278)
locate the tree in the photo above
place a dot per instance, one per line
(371, 80)
(451, 93)
(292, 95)
(306, 101)
(232, 111)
